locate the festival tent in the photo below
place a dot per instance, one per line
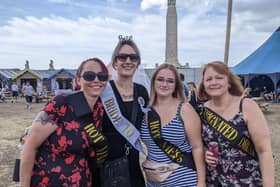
(263, 61)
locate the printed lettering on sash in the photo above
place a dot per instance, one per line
(98, 142)
(226, 130)
(173, 152)
(121, 124)
(101, 146)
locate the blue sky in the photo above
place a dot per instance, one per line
(69, 31)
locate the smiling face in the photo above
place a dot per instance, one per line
(215, 84)
(92, 88)
(165, 83)
(126, 61)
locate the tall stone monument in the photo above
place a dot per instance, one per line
(171, 34)
(26, 66)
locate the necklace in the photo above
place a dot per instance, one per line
(223, 109)
(128, 90)
(127, 97)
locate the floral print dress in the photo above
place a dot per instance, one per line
(62, 159)
(234, 168)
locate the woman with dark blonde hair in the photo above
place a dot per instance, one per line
(178, 126)
(234, 132)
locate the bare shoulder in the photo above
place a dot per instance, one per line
(251, 109)
(249, 104)
(187, 108)
(188, 112)
(191, 119)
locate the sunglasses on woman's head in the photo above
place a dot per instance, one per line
(90, 76)
(123, 57)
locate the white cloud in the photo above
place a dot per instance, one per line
(146, 4)
(74, 40)
(201, 33)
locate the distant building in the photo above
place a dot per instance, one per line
(6, 76)
(49, 78)
(63, 79)
(191, 74)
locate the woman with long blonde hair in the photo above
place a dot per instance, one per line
(179, 127)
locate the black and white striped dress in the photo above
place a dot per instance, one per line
(173, 132)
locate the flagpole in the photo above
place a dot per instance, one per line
(228, 32)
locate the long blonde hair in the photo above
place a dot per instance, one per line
(178, 91)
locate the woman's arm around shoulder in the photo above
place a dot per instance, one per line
(259, 132)
(41, 128)
(192, 126)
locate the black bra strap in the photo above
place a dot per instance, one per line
(241, 104)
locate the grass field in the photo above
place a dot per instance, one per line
(14, 118)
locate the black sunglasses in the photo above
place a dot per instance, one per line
(123, 57)
(90, 76)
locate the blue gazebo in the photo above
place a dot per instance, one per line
(265, 61)
(6, 76)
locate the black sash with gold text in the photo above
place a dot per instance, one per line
(97, 140)
(172, 151)
(226, 130)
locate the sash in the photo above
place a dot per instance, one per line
(172, 151)
(226, 130)
(121, 124)
(85, 117)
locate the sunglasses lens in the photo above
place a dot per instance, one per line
(134, 57)
(123, 57)
(89, 75)
(103, 76)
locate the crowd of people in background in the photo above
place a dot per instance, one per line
(215, 135)
(27, 91)
(263, 93)
(41, 92)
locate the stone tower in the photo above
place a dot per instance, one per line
(171, 34)
(26, 64)
(51, 66)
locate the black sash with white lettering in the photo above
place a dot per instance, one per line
(228, 131)
(97, 140)
(172, 151)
